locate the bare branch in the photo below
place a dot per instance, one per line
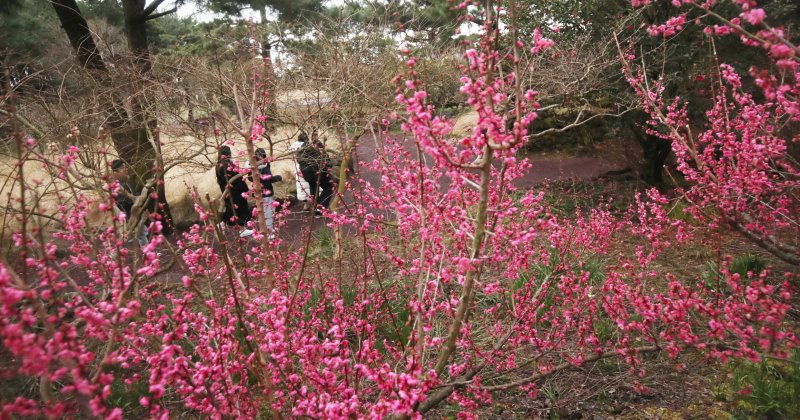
(567, 365)
(577, 123)
(152, 8)
(158, 15)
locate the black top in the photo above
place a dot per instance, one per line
(312, 157)
(123, 199)
(225, 171)
(267, 179)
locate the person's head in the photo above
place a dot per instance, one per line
(302, 137)
(224, 152)
(119, 169)
(117, 164)
(261, 154)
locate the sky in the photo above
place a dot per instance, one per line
(190, 9)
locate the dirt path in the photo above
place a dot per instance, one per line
(544, 168)
(562, 167)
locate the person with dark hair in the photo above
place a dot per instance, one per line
(267, 179)
(125, 198)
(314, 164)
(233, 187)
(302, 137)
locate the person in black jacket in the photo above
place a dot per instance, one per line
(125, 197)
(267, 179)
(233, 187)
(314, 164)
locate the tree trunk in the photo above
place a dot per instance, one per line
(655, 150)
(136, 33)
(79, 35)
(149, 160)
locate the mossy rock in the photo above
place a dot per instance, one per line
(714, 412)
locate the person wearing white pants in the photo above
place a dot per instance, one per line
(267, 179)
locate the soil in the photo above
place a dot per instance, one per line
(546, 168)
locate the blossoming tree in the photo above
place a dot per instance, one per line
(740, 165)
(458, 286)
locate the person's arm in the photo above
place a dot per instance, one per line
(125, 193)
(266, 174)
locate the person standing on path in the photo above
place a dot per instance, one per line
(125, 198)
(301, 184)
(233, 187)
(314, 164)
(267, 179)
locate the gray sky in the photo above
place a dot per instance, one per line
(190, 9)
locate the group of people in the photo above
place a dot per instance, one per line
(314, 182)
(313, 164)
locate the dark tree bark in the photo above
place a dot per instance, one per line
(655, 150)
(137, 13)
(136, 33)
(74, 24)
(88, 55)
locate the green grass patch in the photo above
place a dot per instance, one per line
(677, 211)
(565, 198)
(767, 389)
(741, 264)
(126, 396)
(323, 244)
